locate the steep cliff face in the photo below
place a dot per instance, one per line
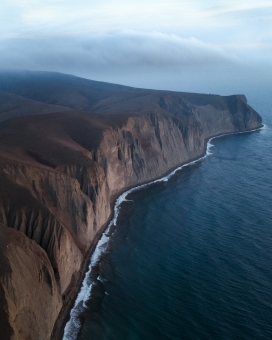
(146, 147)
(59, 175)
(149, 145)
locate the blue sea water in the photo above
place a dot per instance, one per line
(191, 258)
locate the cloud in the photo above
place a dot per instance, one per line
(232, 7)
(215, 21)
(138, 42)
(126, 50)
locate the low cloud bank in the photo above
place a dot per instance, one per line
(151, 60)
(122, 50)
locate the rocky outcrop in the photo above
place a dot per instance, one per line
(59, 176)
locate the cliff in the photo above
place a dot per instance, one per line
(60, 173)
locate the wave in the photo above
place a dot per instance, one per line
(74, 324)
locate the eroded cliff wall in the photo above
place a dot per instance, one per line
(59, 174)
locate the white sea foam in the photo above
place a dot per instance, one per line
(73, 326)
(209, 145)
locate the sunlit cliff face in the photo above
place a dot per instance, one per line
(181, 45)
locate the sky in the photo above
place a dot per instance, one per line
(213, 46)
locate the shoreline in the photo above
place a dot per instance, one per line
(82, 287)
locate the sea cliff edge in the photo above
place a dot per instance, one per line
(62, 167)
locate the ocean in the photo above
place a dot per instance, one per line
(190, 256)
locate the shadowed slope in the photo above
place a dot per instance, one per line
(12, 105)
(60, 89)
(83, 94)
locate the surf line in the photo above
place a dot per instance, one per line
(73, 326)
